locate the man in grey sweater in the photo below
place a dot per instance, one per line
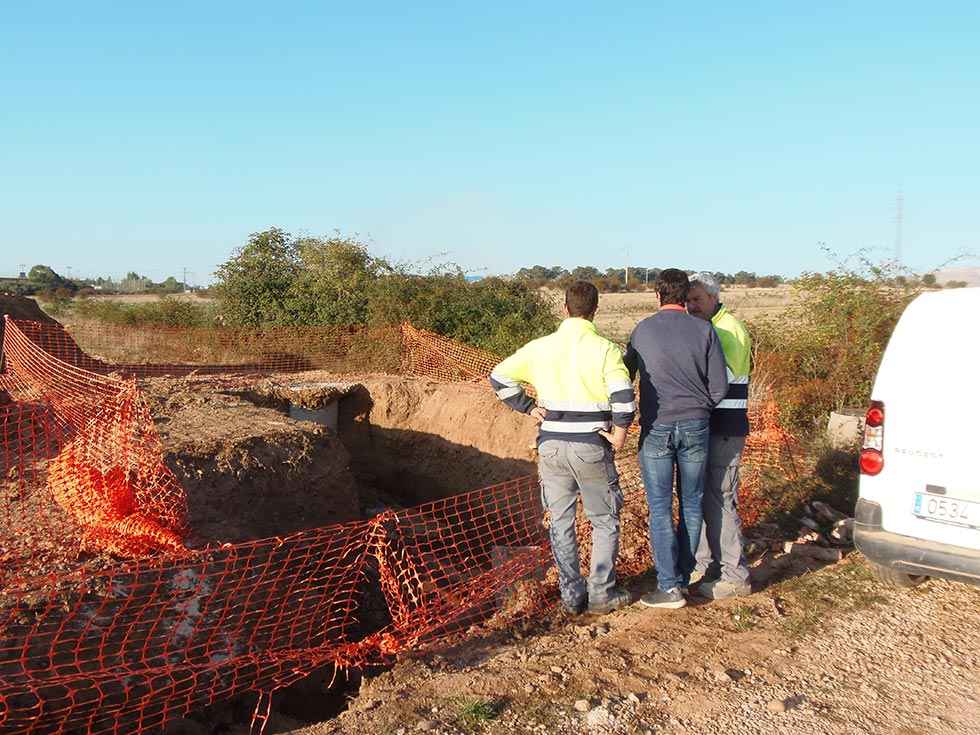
(682, 378)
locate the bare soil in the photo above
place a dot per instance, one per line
(423, 440)
(824, 651)
(250, 472)
(21, 307)
(18, 307)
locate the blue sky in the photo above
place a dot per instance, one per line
(156, 136)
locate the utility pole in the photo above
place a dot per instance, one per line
(899, 213)
(23, 269)
(626, 285)
(183, 282)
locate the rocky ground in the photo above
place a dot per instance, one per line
(828, 651)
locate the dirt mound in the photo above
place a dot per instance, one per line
(18, 307)
(21, 307)
(249, 471)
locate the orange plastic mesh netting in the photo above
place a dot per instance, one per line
(99, 645)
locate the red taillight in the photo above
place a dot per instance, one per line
(872, 457)
(871, 461)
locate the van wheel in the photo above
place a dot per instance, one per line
(897, 578)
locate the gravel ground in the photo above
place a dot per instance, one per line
(830, 651)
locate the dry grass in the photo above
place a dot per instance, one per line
(144, 298)
(620, 312)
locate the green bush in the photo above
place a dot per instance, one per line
(253, 285)
(496, 315)
(277, 280)
(822, 353)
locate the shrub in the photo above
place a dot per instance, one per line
(822, 353)
(277, 280)
(493, 314)
(334, 282)
(253, 285)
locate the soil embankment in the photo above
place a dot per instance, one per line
(399, 441)
(422, 440)
(18, 307)
(249, 471)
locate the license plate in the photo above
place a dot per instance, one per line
(947, 510)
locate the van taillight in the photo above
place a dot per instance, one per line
(872, 457)
(871, 461)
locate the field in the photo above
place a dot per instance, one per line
(147, 298)
(620, 312)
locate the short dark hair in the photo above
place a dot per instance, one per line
(672, 286)
(581, 299)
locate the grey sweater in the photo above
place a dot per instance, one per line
(681, 365)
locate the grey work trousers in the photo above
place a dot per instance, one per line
(568, 469)
(720, 553)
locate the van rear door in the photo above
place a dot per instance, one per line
(929, 382)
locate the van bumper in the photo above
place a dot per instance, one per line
(911, 555)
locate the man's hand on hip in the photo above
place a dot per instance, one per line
(537, 413)
(616, 437)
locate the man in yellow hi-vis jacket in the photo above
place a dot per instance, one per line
(720, 559)
(585, 404)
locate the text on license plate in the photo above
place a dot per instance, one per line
(947, 510)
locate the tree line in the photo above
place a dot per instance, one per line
(45, 281)
(640, 278)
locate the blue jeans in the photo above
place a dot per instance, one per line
(569, 469)
(683, 444)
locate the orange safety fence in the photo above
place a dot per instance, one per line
(151, 351)
(89, 643)
(175, 351)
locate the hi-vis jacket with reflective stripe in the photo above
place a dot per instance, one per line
(580, 380)
(731, 416)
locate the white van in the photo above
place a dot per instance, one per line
(918, 508)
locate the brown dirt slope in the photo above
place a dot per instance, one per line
(19, 307)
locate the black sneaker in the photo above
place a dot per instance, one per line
(671, 599)
(576, 608)
(617, 599)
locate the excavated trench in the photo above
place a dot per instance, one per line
(271, 457)
(268, 458)
(280, 455)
